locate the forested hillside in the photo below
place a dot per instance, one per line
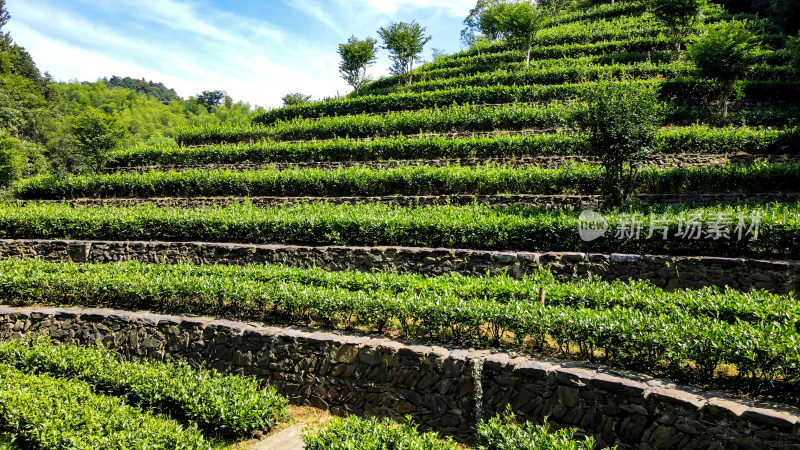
(41, 119)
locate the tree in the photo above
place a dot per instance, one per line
(405, 42)
(357, 55)
(211, 99)
(793, 46)
(554, 6)
(12, 159)
(724, 54)
(680, 16)
(518, 22)
(95, 133)
(478, 24)
(296, 98)
(622, 124)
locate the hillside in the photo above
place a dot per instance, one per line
(438, 207)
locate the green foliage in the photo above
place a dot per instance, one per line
(12, 158)
(621, 148)
(320, 223)
(479, 25)
(793, 46)
(504, 433)
(405, 42)
(518, 22)
(95, 134)
(471, 118)
(54, 413)
(295, 99)
(357, 433)
(680, 16)
(152, 89)
(724, 54)
(622, 124)
(693, 139)
(225, 404)
(357, 55)
(634, 326)
(210, 99)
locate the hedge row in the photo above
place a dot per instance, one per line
(499, 433)
(478, 66)
(210, 282)
(580, 73)
(551, 75)
(687, 89)
(674, 342)
(224, 404)
(465, 118)
(635, 45)
(53, 413)
(693, 139)
(406, 180)
(473, 226)
(508, 116)
(570, 33)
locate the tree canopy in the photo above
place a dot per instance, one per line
(357, 55)
(405, 42)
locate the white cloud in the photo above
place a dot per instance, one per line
(191, 46)
(456, 8)
(199, 55)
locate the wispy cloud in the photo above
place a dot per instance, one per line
(195, 45)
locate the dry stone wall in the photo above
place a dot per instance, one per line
(669, 272)
(443, 389)
(659, 160)
(547, 202)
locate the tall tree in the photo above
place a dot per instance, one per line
(405, 42)
(295, 98)
(211, 99)
(680, 16)
(357, 55)
(724, 54)
(479, 25)
(519, 22)
(95, 134)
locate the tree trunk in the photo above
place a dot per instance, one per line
(528, 57)
(726, 92)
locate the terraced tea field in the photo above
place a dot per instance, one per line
(478, 153)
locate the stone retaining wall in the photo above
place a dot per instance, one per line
(548, 202)
(443, 389)
(669, 272)
(659, 160)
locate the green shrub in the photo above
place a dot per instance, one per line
(636, 326)
(621, 178)
(504, 433)
(675, 140)
(724, 54)
(12, 159)
(319, 223)
(224, 404)
(623, 121)
(373, 434)
(53, 413)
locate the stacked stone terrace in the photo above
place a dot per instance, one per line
(479, 167)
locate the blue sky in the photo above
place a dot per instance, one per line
(255, 50)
